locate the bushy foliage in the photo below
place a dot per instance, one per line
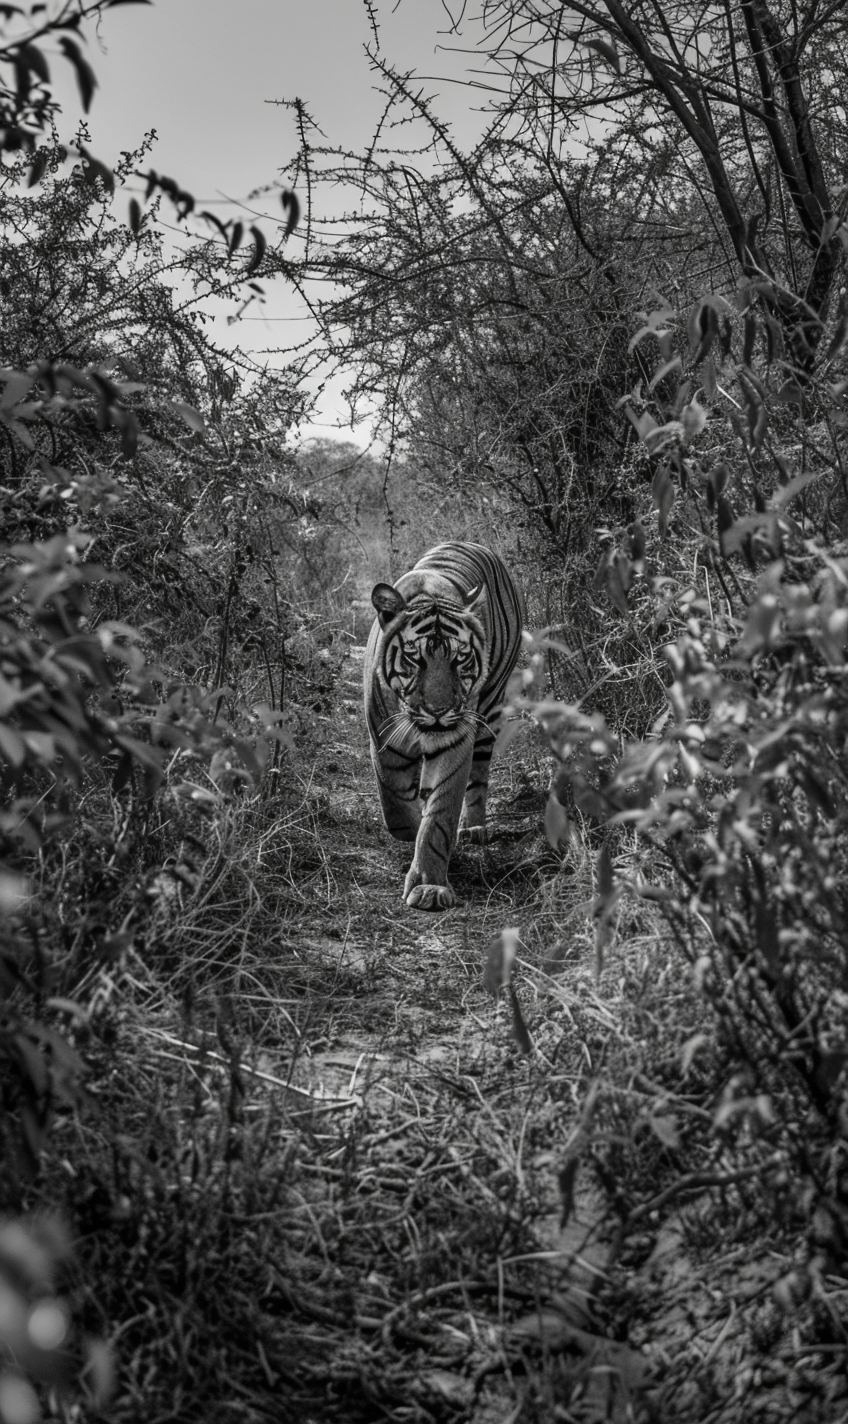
(144, 619)
(738, 794)
(492, 347)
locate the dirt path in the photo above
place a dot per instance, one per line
(435, 1280)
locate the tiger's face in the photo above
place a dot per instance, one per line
(433, 677)
(433, 659)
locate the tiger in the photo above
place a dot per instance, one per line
(445, 640)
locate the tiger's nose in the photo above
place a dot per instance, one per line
(439, 700)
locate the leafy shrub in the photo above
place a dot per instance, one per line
(737, 797)
(135, 465)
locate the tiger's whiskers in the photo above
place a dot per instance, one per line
(394, 729)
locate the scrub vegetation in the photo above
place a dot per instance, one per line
(274, 1146)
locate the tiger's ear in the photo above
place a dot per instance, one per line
(388, 603)
(475, 598)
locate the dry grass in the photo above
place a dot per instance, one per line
(316, 1178)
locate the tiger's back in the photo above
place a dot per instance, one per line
(446, 639)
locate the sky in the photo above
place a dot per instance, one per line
(208, 75)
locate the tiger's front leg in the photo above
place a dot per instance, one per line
(443, 780)
(397, 781)
(473, 826)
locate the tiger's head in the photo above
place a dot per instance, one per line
(434, 658)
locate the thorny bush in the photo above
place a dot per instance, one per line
(145, 619)
(738, 795)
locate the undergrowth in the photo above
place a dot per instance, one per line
(273, 1147)
(282, 1207)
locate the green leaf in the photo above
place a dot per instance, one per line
(607, 51)
(38, 167)
(141, 752)
(749, 327)
(636, 530)
(500, 960)
(281, 735)
(75, 377)
(762, 625)
(19, 430)
(557, 824)
(34, 60)
(22, 88)
(10, 695)
(193, 419)
(662, 493)
(510, 729)
(775, 344)
(644, 423)
(259, 248)
(724, 522)
(693, 418)
(787, 492)
(291, 206)
(86, 78)
(665, 370)
(613, 577)
(41, 744)
(208, 217)
(665, 1128)
(702, 330)
(12, 746)
(719, 478)
(737, 537)
(663, 435)
(18, 384)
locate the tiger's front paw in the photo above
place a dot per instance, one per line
(419, 895)
(430, 897)
(474, 835)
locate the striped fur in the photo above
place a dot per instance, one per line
(446, 638)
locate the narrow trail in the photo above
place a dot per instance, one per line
(418, 994)
(422, 971)
(450, 1257)
(437, 1142)
(407, 1196)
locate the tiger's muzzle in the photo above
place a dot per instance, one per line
(436, 701)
